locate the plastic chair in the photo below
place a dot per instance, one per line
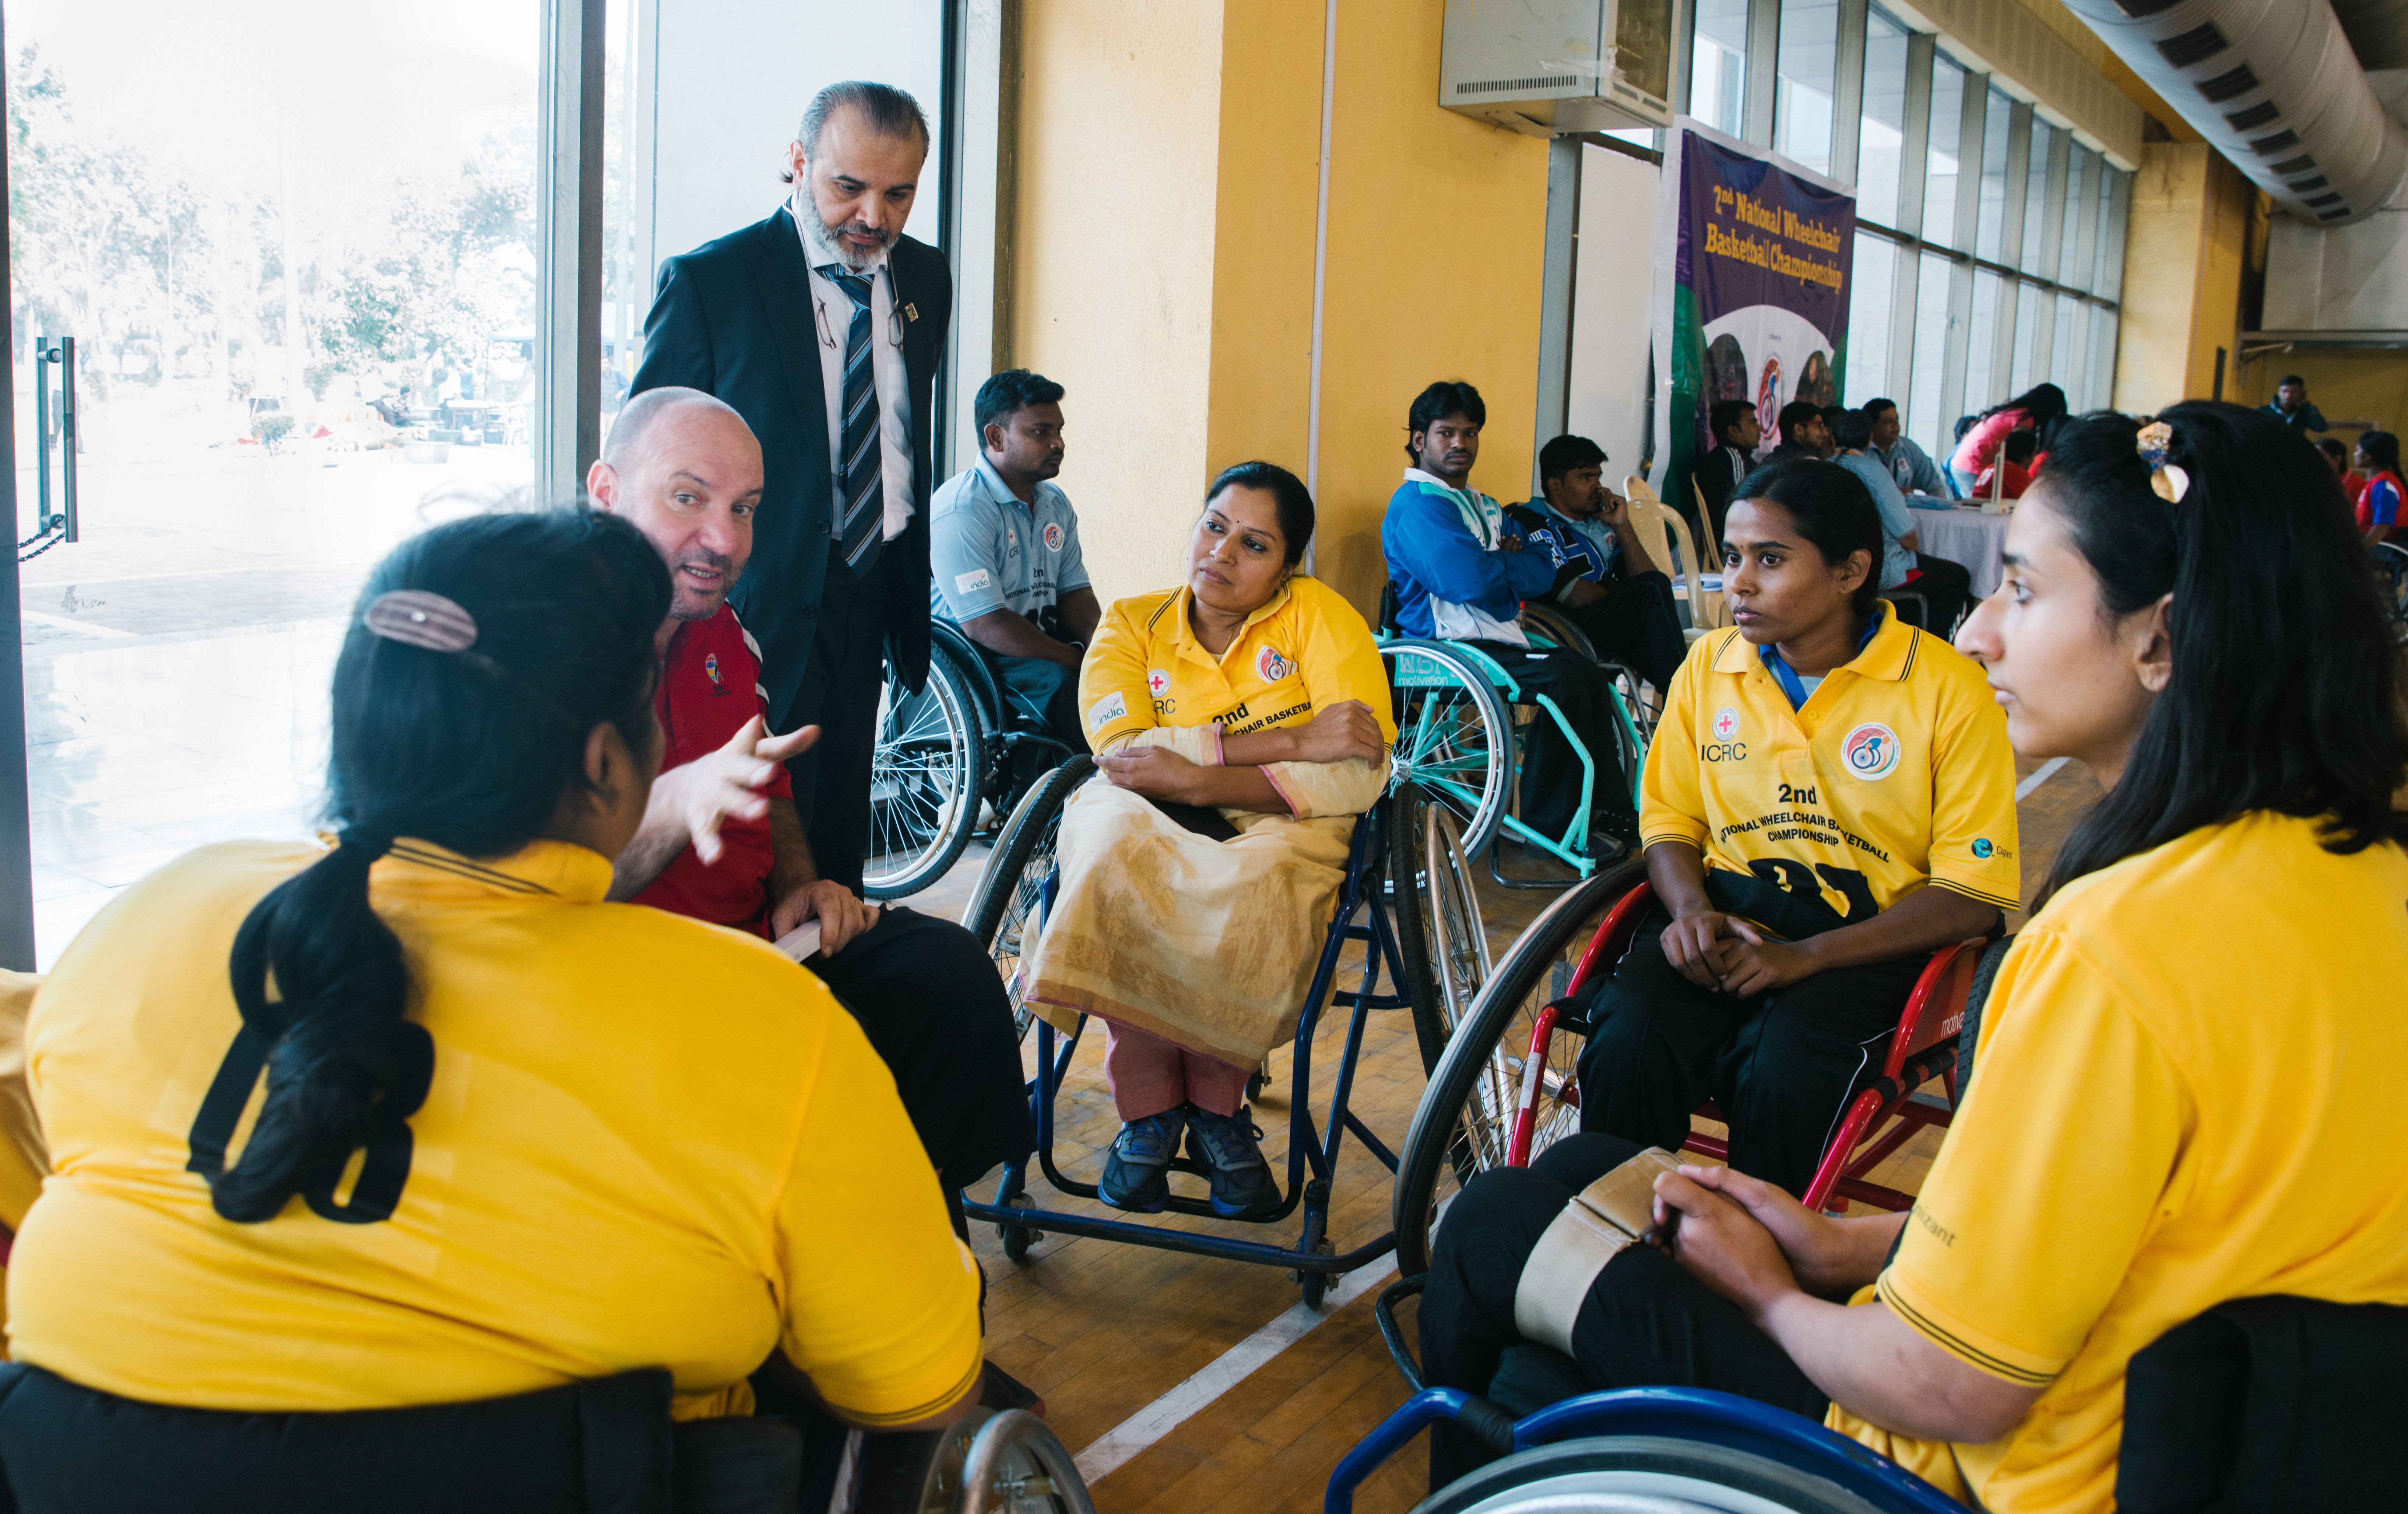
(1691, 584)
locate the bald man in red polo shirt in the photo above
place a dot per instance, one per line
(722, 839)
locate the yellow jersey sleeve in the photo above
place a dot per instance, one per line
(1340, 660)
(1113, 701)
(2056, 1169)
(880, 1301)
(1974, 837)
(1671, 797)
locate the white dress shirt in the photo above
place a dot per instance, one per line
(832, 317)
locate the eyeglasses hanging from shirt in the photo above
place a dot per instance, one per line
(895, 322)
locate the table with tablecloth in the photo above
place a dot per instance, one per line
(1962, 534)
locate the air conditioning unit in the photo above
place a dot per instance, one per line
(1552, 66)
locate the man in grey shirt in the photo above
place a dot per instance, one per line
(1943, 585)
(1910, 466)
(1003, 547)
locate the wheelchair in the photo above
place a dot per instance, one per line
(1460, 717)
(963, 743)
(1007, 913)
(1506, 1088)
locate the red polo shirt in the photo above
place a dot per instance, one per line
(711, 685)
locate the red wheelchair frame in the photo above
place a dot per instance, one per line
(1883, 1112)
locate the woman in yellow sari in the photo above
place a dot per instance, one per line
(1257, 692)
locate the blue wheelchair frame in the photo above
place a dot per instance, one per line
(1437, 776)
(1309, 1143)
(1693, 1414)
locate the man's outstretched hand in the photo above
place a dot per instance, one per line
(731, 782)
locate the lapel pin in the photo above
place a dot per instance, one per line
(911, 312)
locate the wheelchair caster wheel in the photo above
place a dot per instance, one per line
(1017, 1240)
(1261, 1080)
(1316, 1287)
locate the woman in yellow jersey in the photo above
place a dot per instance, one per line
(2183, 1089)
(510, 1136)
(1257, 692)
(1828, 800)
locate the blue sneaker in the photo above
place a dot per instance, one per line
(1224, 1146)
(1137, 1173)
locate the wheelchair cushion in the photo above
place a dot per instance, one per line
(589, 1448)
(2266, 1404)
(1977, 993)
(1530, 1377)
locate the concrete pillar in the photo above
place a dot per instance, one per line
(2182, 259)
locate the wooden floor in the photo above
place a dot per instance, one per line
(1112, 1334)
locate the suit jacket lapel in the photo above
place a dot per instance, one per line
(783, 275)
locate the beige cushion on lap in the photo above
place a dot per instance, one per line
(1597, 1225)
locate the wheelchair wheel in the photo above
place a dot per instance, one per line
(1555, 626)
(1006, 913)
(1642, 1475)
(1438, 926)
(1465, 1117)
(1454, 734)
(1002, 1464)
(925, 780)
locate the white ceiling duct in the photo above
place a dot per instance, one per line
(2274, 86)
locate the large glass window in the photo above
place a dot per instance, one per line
(1998, 116)
(1923, 420)
(2036, 255)
(2028, 298)
(2068, 236)
(2101, 386)
(1808, 64)
(2114, 202)
(1982, 339)
(2065, 354)
(1940, 165)
(1718, 65)
(1883, 136)
(1874, 281)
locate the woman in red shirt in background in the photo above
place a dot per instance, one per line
(2382, 500)
(2036, 409)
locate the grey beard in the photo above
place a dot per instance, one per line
(854, 260)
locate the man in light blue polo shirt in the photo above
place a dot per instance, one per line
(1003, 545)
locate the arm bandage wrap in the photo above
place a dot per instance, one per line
(1602, 1220)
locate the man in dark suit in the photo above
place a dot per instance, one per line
(822, 327)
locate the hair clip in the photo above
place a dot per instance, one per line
(416, 618)
(2168, 480)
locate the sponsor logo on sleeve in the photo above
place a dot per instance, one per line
(1725, 723)
(969, 583)
(1982, 846)
(1105, 711)
(1052, 535)
(1871, 751)
(1158, 683)
(1270, 666)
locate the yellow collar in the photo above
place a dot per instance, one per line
(1889, 656)
(418, 869)
(1189, 646)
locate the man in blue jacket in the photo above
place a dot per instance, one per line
(1460, 574)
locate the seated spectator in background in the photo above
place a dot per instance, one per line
(721, 840)
(1241, 722)
(2382, 505)
(1943, 584)
(2038, 410)
(2138, 1151)
(1829, 799)
(1461, 572)
(2352, 483)
(1803, 434)
(1737, 435)
(1003, 544)
(2011, 469)
(1910, 465)
(589, 1138)
(2292, 406)
(1605, 579)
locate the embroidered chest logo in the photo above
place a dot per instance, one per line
(1270, 666)
(1158, 683)
(1052, 535)
(711, 671)
(1725, 723)
(1871, 751)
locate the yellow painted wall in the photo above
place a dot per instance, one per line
(1115, 227)
(2368, 385)
(1163, 220)
(2181, 277)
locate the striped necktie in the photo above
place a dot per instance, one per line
(861, 463)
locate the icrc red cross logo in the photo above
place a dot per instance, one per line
(1725, 723)
(1157, 683)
